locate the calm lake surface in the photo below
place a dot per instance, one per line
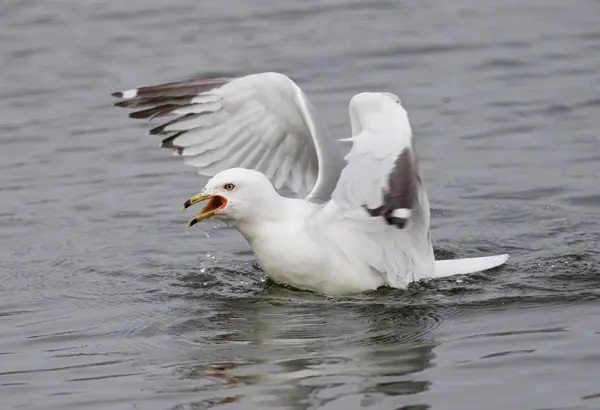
(107, 303)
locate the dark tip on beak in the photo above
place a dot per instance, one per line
(192, 222)
(186, 205)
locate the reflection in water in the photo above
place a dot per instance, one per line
(299, 350)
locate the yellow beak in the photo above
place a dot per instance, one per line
(215, 203)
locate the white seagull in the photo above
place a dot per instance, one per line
(361, 219)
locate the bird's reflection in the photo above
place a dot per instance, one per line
(298, 349)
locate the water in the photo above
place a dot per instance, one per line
(106, 302)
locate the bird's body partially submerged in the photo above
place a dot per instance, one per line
(291, 239)
(292, 252)
(364, 222)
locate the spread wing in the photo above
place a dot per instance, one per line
(379, 213)
(261, 121)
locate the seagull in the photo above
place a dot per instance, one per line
(360, 216)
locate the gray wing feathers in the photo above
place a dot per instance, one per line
(382, 172)
(261, 121)
(381, 187)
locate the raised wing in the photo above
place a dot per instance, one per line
(261, 121)
(379, 213)
(380, 199)
(382, 173)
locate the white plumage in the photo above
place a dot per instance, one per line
(364, 221)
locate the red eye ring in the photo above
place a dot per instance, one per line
(229, 187)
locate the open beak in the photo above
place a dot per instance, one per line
(215, 203)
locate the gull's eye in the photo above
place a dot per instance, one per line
(229, 187)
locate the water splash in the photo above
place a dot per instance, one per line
(187, 231)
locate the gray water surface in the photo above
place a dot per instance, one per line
(107, 303)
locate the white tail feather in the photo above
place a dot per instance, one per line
(468, 265)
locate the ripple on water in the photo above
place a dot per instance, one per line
(106, 303)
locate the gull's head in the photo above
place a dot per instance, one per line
(236, 194)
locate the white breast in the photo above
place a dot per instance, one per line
(290, 254)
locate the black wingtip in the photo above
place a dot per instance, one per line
(399, 223)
